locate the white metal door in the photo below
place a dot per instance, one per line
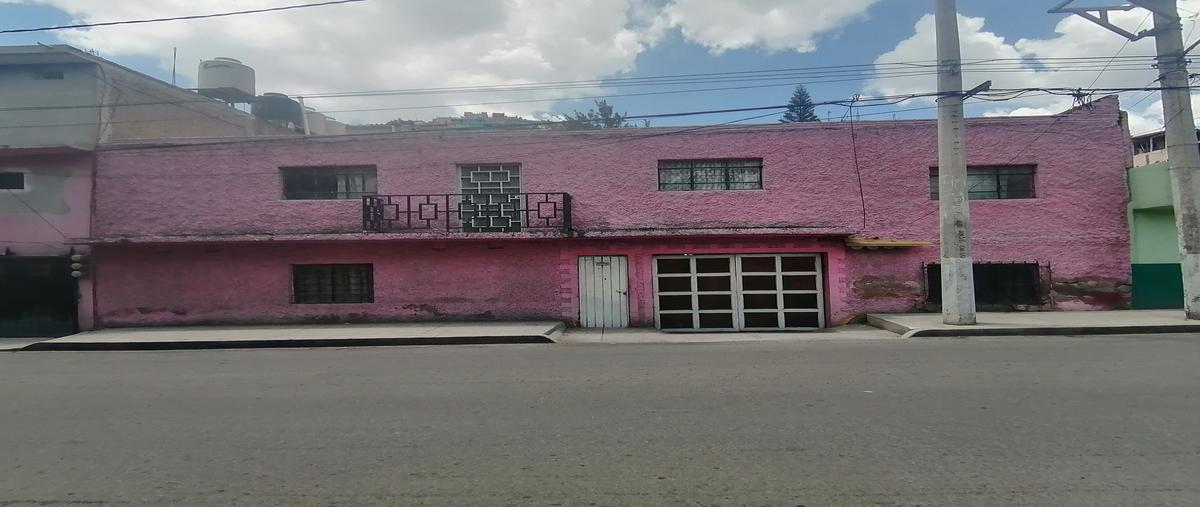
(603, 291)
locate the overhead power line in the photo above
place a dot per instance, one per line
(176, 18)
(788, 80)
(629, 134)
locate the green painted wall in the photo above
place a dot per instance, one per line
(1150, 187)
(1153, 235)
(1157, 286)
(1157, 282)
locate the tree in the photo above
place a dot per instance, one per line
(800, 108)
(603, 116)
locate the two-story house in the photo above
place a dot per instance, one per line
(788, 226)
(57, 104)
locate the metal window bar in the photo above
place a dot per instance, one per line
(332, 283)
(727, 167)
(1000, 177)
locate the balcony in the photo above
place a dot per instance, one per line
(479, 212)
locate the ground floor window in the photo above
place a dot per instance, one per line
(995, 283)
(739, 292)
(333, 283)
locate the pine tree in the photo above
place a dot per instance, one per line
(800, 108)
(603, 116)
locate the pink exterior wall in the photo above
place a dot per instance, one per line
(421, 280)
(1075, 227)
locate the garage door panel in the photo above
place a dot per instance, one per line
(753, 291)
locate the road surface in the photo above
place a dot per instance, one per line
(1012, 421)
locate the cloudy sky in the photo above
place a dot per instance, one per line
(418, 44)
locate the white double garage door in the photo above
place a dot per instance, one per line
(738, 292)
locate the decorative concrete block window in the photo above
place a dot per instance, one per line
(333, 283)
(335, 182)
(996, 284)
(12, 180)
(491, 197)
(992, 182)
(710, 174)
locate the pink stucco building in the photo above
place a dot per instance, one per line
(730, 227)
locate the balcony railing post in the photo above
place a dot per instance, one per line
(566, 226)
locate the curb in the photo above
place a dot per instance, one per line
(1044, 331)
(287, 343)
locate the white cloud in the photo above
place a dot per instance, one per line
(406, 44)
(1074, 37)
(776, 25)
(384, 45)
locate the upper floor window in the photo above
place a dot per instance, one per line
(12, 181)
(49, 75)
(333, 283)
(712, 174)
(328, 182)
(992, 182)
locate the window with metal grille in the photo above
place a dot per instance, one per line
(333, 283)
(995, 283)
(712, 174)
(12, 181)
(992, 182)
(328, 182)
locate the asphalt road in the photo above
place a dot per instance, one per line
(1037, 421)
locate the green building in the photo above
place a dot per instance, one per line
(1157, 279)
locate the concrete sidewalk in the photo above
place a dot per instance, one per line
(650, 335)
(914, 325)
(335, 335)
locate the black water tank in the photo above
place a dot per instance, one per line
(277, 107)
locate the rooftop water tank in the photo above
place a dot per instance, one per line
(226, 79)
(278, 108)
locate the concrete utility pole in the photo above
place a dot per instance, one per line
(1181, 129)
(958, 279)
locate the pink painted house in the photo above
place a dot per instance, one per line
(794, 226)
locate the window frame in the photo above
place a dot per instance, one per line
(337, 172)
(337, 294)
(727, 180)
(996, 171)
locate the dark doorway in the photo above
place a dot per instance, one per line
(38, 297)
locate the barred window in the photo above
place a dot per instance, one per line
(713, 174)
(996, 284)
(333, 283)
(992, 182)
(306, 183)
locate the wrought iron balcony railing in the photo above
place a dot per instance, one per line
(479, 212)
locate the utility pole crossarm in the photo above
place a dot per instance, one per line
(1099, 16)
